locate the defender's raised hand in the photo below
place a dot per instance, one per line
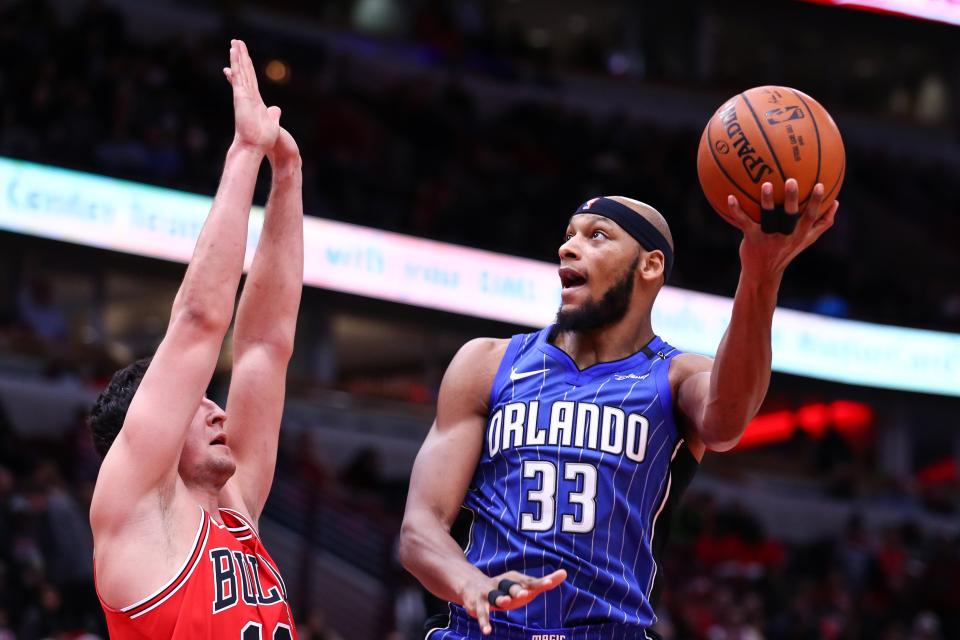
(763, 253)
(255, 125)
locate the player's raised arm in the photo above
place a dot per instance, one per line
(439, 481)
(264, 332)
(145, 454)
(719, 399)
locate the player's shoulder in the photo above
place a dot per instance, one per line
(684, 365)
(471, 372)
(482, 354)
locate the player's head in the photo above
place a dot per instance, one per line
(205, 458)
(617, 253)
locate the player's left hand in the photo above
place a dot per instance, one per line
(476, 594)
(768, 254)
(255, 124)
(526, 588)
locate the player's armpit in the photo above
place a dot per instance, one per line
(713, 415)
(690, 383)
(443, 469)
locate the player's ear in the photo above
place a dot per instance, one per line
(651, 265)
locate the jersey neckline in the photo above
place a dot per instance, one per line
(576, 375)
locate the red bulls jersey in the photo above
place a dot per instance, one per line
(228, 588)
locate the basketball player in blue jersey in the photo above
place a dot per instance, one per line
(570, 445)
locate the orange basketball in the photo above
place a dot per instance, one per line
(769, 134)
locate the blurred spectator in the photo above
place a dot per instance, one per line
(40, 312)
(314, 627)
(418, 154)
(364, 472)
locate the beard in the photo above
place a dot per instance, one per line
(215, 470)
(610, 308)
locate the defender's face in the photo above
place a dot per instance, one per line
(594, 256)
(206, 456)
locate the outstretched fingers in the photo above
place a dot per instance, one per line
(483, 616)
(241, 73)
(735, 214)
(791, 197)
(812, 212)
(246, 64)
(528, 587)
(826, 220)
(766, 196)
(506, 591)
(552, 580)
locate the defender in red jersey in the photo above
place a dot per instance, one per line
(183, 483)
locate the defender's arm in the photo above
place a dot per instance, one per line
(263, 335)
(145, 455)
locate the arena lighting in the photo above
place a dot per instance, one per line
(277, 71)
(947, 11)
(851, 419)
(160, 223)
(941, 472)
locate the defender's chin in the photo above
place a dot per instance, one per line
(223, 467)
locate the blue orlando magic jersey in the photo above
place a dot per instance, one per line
(577, 471)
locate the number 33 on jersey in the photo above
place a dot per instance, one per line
(579, 470)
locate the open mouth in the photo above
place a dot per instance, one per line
(220, 439)
(570, 278)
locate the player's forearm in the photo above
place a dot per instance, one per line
(741, 370)
(209, 287)
(268, 308)
(428, 551)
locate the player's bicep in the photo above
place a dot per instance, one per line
(254, 411)
(443, 470)
(449, 455)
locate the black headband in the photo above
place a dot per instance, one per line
(633, 223)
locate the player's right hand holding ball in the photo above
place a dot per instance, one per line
(510, 590)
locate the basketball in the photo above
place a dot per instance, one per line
(769, 134)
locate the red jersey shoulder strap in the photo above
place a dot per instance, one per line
(238, 524)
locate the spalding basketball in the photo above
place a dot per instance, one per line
(769, 134)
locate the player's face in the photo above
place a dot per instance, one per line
(597, 263)
(206, 457)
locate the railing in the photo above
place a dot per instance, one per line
(336, 552)
(360, 535)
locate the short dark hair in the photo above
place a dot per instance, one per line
(109, 411)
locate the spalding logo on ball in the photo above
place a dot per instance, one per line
(769, 134)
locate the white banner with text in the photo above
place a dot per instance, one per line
(161, 223)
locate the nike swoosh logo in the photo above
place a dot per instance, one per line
(515, 375)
